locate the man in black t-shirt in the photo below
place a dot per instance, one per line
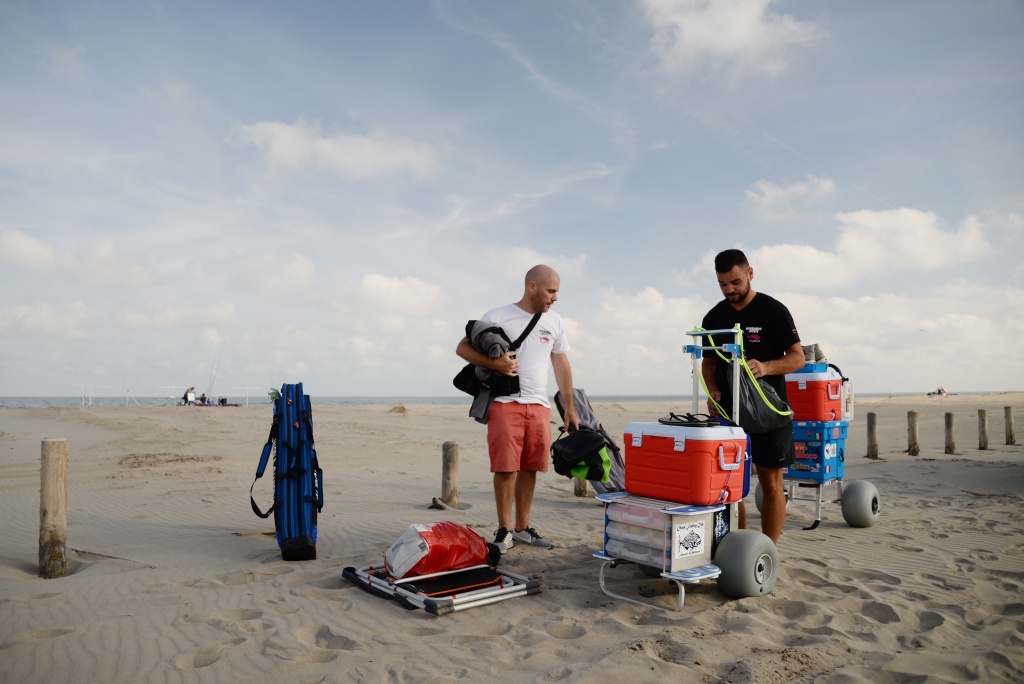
(772, 348)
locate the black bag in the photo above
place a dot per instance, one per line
(467, 380)
(757, 414)
(581, 454)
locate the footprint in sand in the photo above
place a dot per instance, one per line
(321, 636)
(37, 597)
(38, 634)
(234, 621)
(48, 633)
(206, 656)
(565, 629)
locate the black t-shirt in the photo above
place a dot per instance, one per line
(768, 331)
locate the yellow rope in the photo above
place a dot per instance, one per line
(750, 373)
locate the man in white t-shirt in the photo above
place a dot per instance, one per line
(519, 425)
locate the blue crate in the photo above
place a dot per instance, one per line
(820, 450)
(817, 430)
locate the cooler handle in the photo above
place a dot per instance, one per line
(730, 466)
(835, 396)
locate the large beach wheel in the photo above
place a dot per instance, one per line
(759, 496)
(860, 503)
(749, 563)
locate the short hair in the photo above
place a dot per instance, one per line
(725, 261)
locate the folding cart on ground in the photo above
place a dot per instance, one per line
(446, 592)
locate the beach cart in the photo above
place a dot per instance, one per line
(823, 407)
(442, 593)
(441, 567)
(688, 541)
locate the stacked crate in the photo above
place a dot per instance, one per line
(822, 408)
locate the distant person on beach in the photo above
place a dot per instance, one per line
(772, 348)
(518, 426)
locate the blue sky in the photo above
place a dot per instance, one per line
(326, 192)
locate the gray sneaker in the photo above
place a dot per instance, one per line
(530, 536)
(503, 540)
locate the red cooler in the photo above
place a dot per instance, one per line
(815, 393)
(686, 464)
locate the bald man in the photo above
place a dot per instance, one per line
(519, 425)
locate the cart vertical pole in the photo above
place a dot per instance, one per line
(737, 368)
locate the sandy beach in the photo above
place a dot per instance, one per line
(173, 579)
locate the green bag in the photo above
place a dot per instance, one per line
(581, 454)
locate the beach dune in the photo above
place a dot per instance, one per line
(171, 578)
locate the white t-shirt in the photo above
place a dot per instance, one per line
(547, 338)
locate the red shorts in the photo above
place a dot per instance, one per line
(518, 437)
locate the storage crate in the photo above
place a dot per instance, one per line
(820, 451)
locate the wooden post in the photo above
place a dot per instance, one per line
(950, 435)
(982, 429)
(581, 487)
(913, 443)
(450, 474)
(1008, 417)
(53, 509)
(872, 436)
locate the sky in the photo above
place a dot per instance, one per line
(238, 195)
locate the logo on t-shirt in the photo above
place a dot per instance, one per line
(754, 333)
(545, 336)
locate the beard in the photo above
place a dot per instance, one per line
(738, 296)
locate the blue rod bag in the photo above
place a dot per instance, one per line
(298, 480)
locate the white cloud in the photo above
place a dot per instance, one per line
(742, 32)
(510, 263)
(773, 201)
(353, 157)
(99, 262)
(166, 318)
(868, 243)
(409, 296)
(27, 251)
(73, 320)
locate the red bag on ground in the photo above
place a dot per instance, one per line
(424, 549)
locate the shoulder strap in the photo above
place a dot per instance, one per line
(526, 333)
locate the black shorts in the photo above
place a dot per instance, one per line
(773, 449)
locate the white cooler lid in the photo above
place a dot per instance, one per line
(715, 432)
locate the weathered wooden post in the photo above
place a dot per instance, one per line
(913, 443)
(53, 509)
(450, 474)
(1008, 417)
(950, 435)
(581, 487)
(982, 429)
(872, 435)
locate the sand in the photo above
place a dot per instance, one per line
(173, 579)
